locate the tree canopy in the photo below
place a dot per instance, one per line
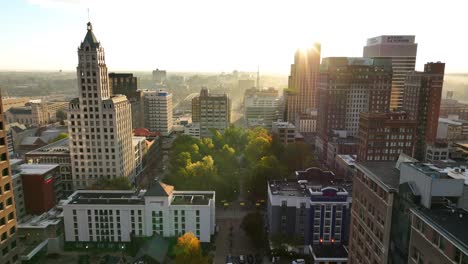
(188, 250)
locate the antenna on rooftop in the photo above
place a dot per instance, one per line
(89, 17)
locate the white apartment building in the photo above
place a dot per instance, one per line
(158, 111)
(100, 125)
(192, 130)
(116, 216)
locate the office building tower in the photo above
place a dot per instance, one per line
(159, 77)
(127, 84)
(347, 87)
(118, 216)
(212, 111)
(383, 136)
(423, 92)
(8, 226)
(100, 125)
(402, 51)
(261, 107)
(157, 107)
(302, 83)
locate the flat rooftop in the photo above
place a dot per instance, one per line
(303, 189)
(192, 198)
(450, 222)
(382, 171)
(329, 251)
(52, 217)
(105, 197)
(429, 170)
(36, 169)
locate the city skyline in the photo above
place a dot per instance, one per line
(219, 36)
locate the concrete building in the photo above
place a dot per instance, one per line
(452, 129)
(55, 153)
(349, 86)
(423, 91)
(159, 77)
(193, 130)
(100, 125)
(374, 189)
(285, 131)
(17, 184)
(116, 216)
(54, 107)
(402, 52)
(261, 107)
(301, 95)
(438, 236)
(307, 122)
(452, 107)
(35, 113)
(127, 84)
(316, 211)
(212, 111)
(8, 225)
(439, 150)
(140, 150)
(158, 111)
(384, 136)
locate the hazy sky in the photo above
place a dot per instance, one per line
(223, 35)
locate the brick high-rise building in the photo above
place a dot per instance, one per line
(423, 92)
(127, 84)
(402, 51)
(347, 87)
(383, 136)
(302, 83)
(8, 225)
(100, 124)
(212, 111)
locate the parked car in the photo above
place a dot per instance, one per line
(242, 259)
(229, 259)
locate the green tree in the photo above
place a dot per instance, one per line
(59, 137)
(253, 226)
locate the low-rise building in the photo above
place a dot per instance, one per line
(117, 216)
(314, 211)
(41, 186)
(55, 153)
(192, 130)
(285, 131)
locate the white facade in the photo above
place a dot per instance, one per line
(192, 130)
(91, 216)
(100, 125)
(158, 111)
(261, 109)
(139, 149)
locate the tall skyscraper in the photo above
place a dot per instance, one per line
(349, 86)
(158, 111)
(212, 111)
(127, 84)
(302, 83)
(8, 239)
(100, 125)
(402, 50)
(423, 92)
(159, 76)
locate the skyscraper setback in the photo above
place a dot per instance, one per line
(100, 125)
(302, 83)
(402, 51)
